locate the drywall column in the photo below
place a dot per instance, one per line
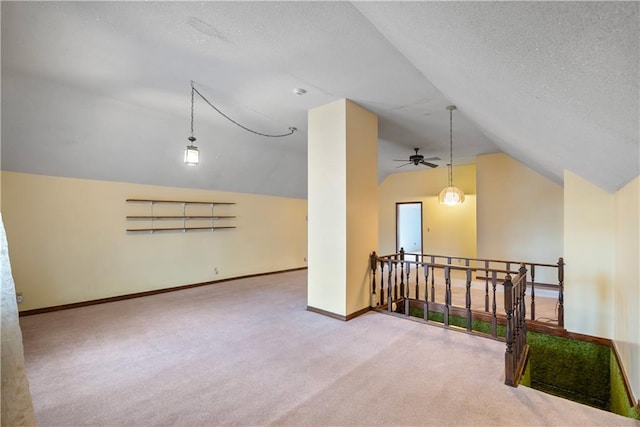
(342, 207)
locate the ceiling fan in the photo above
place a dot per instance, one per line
(418, 159)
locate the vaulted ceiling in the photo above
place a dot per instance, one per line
(101, 90)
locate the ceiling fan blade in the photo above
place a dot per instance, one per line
(403, 160)
(404, 164)
(432, 158)
(431, 165)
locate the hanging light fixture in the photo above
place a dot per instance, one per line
(451, 195)
(192, 154)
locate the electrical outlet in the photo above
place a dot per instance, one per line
(19, 297)
(215, 271)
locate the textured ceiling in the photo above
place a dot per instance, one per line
(100, 90)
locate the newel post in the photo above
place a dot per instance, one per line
(521, 336)
(373, 263)
(509, 365)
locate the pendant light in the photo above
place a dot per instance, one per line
(191, 153)
(451, 195)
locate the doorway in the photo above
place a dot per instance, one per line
(409, 227)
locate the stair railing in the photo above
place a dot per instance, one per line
(516, 335)
(401, 265)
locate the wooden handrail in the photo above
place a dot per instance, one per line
(451, 266)
(472, 259)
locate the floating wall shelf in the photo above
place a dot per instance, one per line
(176, 217)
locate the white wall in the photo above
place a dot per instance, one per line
(68, 241)
(626, 290)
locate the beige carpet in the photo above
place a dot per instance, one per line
(247, 352)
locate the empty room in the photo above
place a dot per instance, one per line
(320, 213)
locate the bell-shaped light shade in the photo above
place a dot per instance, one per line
(191, 155)
(451, 196)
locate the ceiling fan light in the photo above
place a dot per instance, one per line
(191, 155)
(451, 196)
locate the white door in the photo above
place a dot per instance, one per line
(409, 227)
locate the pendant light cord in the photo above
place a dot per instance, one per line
(450, 147)
(194, 90)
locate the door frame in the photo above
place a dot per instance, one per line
(421, 223)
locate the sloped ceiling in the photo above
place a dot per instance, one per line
(100, 90)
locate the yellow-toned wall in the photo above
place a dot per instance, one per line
(520, 212)
(362, 203)
(327, 198)
(589, 226)
(447, 230)
(67, 239)
(626, 290)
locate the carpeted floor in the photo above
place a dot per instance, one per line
(247, 352)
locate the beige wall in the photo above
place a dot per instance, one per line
(447, 230)
(589, 224)
(626, 290)
(520, 214)
(67, 239)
